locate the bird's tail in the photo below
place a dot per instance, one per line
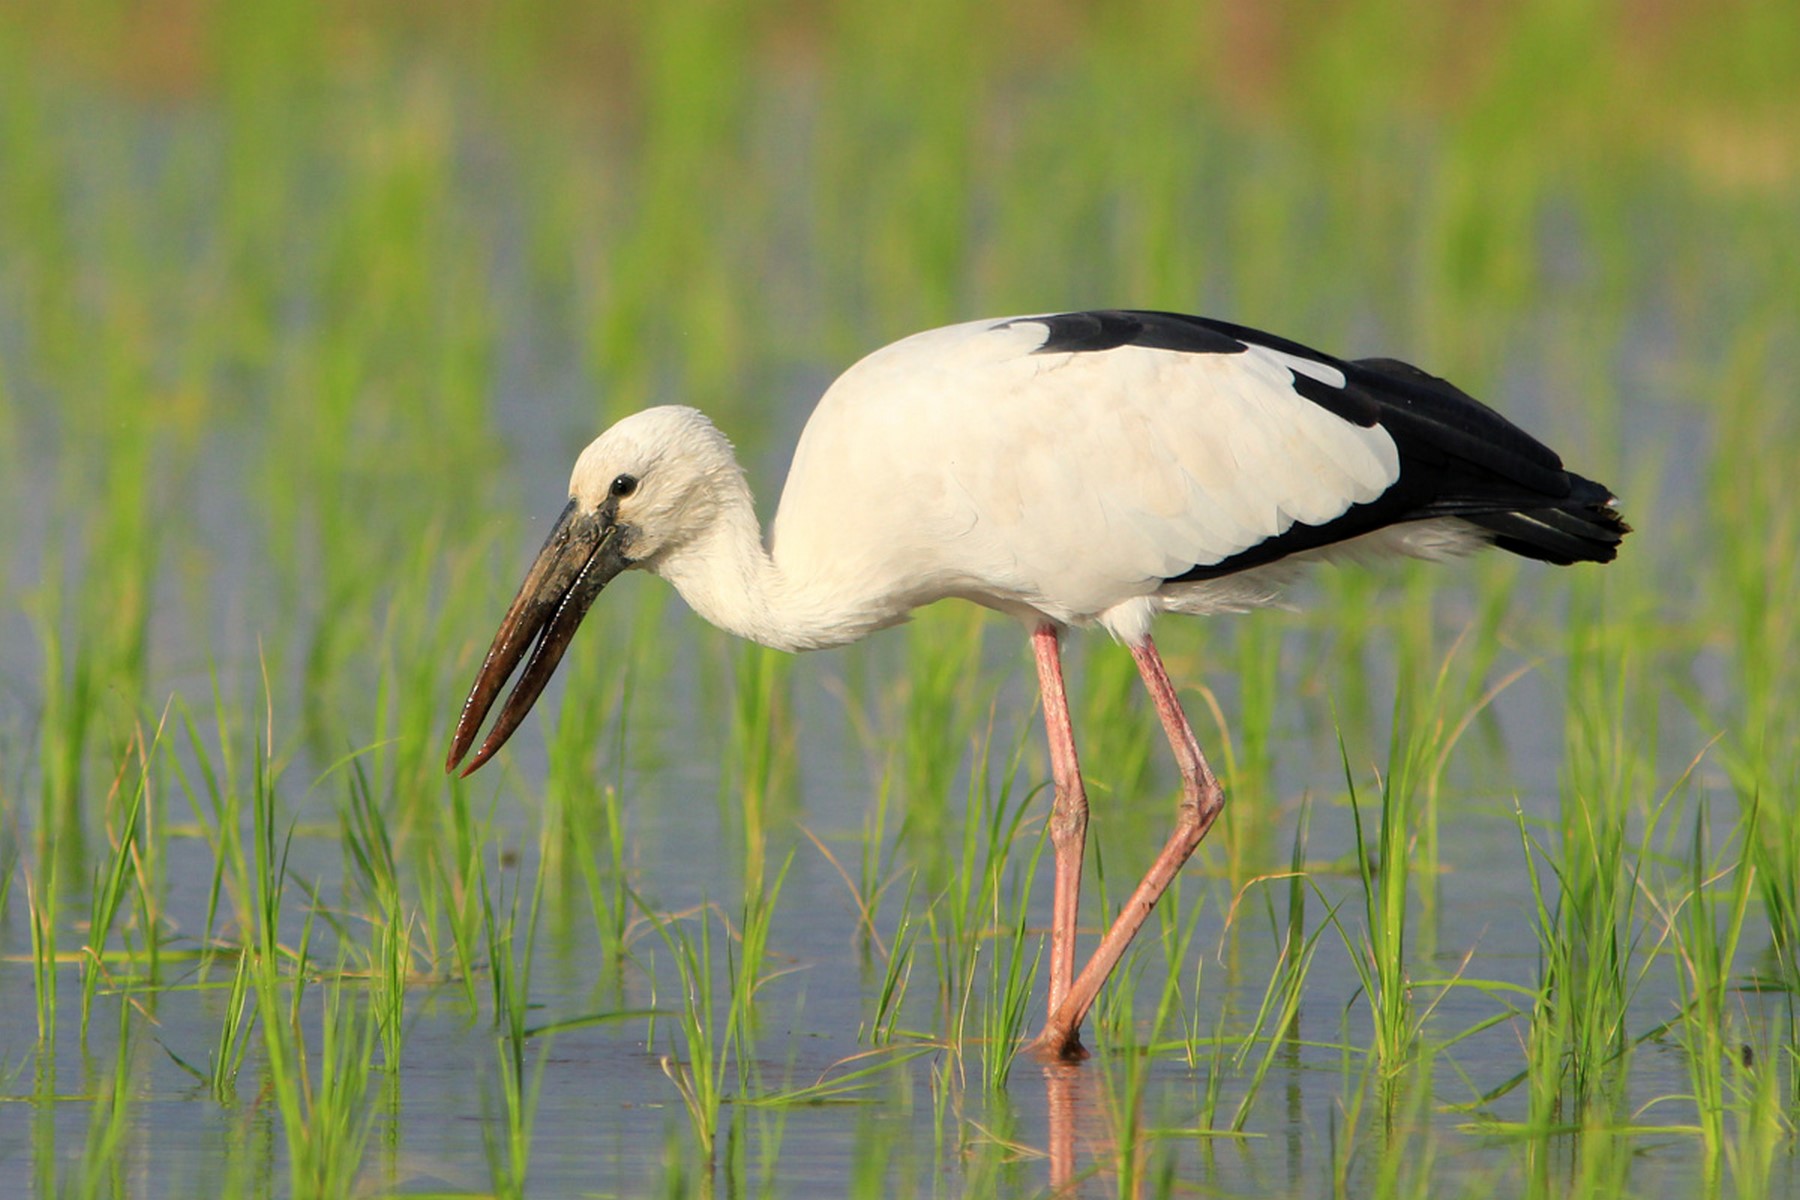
(1583, 527)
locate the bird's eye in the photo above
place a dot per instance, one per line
(624, 485)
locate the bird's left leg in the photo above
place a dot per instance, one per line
(1201, 800)
(1068, 815)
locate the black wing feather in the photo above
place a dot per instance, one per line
(1458, 457)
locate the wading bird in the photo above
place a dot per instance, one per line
(1088, 468)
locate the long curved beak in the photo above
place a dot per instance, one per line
(581, 556)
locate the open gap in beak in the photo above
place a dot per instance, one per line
(579, 558)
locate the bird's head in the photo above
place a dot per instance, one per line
(639, 492)
(659, 474)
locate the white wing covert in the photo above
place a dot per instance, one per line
(1182, 460)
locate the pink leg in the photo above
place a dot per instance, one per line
(1201, 800)
(1068, 816)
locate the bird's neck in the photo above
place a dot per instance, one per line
(725, 574)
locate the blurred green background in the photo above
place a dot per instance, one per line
(305, 309)
(371, 247)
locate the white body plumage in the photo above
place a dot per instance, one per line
(968, 462)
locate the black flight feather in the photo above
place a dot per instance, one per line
(1458, 457)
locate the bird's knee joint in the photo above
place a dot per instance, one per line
(1071, 803)
(1201, 802)
(1068, 821)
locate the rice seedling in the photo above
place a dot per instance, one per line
(234, 1034)
(938, 711)
(41, 912)
(102, 1168)
(1774, 858)
(217, 823)
(715, 1038)
(706, 1040)
(1590, 947)
(1383, 868)
(9, 869)
(1250, 761)
(889, 995)
(746, 961)
(1762, 1123)
(374, 869)
(1276, 1022)
(959, 921)
(591, 840)
(324, 1109)
(1012, 970)
(111, 881)
(459, 872)
(297, 303)
(876, 871)
(760, 757)
(326, 1116)
(608, 891)
(108, 893)
(1126, 1053)
(1705, 934)
(510, 950)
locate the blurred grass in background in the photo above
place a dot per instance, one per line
(305, 308)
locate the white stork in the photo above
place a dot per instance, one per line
(1087, 468)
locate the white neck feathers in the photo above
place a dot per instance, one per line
(725, 574)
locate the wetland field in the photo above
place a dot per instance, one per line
(306, 309)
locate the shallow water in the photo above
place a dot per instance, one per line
(331, 538)
(608, 1120)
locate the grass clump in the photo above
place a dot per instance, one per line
(304, 311)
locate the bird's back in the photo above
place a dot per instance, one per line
(1070, 464)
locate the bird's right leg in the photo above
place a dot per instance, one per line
(1068, 819)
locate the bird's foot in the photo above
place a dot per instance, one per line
(1053, 1046)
